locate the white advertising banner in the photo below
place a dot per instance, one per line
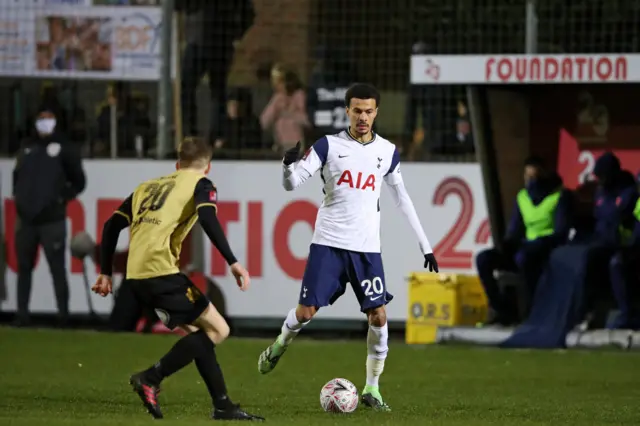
(525, 69)
(270, 231)
(62, 2)
(6, 4)
(98, 42)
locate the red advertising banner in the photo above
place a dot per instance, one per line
(575, 165)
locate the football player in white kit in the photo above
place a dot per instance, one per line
(345, 249)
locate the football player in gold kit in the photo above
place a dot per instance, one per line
(160, 213)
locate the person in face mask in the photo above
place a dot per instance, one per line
(45, 124)
(47, 175)
(540, 222)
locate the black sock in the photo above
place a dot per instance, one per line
(211, 373)
(181, 354)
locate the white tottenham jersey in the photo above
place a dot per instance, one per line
(352, 172)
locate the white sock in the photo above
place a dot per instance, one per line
(377, 349)
(290, 328)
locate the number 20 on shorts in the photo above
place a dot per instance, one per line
(372, 287)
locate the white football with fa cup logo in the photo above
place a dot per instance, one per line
(339, 396)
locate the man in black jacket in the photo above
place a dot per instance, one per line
(48, 174)
(214, 28)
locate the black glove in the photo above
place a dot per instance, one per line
(291, 155)
(430, 262)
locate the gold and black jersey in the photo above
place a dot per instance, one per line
(161, 213)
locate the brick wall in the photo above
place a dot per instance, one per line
(280, 34)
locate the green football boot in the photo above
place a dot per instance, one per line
(371, 398)
(269, 357)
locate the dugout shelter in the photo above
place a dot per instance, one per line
(568, 109)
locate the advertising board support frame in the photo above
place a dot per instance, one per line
(165, 84)
(486, 155)
(113, 130)
(531, 28)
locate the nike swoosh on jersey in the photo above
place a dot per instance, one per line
(342, 156)
(375, 298)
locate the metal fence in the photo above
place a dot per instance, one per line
(254, 76)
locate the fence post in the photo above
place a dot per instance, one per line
(113, 129)
(531, 28)
(165, 86)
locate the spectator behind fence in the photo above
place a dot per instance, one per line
(540, 222)
(77, 132)
(242, 129)
(47, 175)
(134, 128)
(213, 29)
(464, 133)
(286, 112)
(328, 83)
(422, 100)
(615, 201)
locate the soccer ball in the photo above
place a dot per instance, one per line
(339, 396)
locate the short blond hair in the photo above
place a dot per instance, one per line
(194, 151)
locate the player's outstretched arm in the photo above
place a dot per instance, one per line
(295, 173)
(206, 197)
(119, 220)
(403, 201)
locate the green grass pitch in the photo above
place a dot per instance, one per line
(57, 378)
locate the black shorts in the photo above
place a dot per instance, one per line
(175, 299)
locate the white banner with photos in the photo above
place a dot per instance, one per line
(54, 40)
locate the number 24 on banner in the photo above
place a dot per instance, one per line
(447, 252)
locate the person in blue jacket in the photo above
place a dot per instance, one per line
(623, 266)
(613, 240)
(540, 222)
(635, 219)
(636, 215)
(615, 199)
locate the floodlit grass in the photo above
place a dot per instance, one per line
(81, 378)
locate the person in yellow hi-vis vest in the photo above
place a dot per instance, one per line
(629, 229)
(540, 222)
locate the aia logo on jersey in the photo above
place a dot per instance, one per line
(213, 196)
(358, 181)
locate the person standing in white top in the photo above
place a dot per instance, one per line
(345, 249)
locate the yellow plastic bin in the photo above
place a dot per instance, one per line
(442, 300)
